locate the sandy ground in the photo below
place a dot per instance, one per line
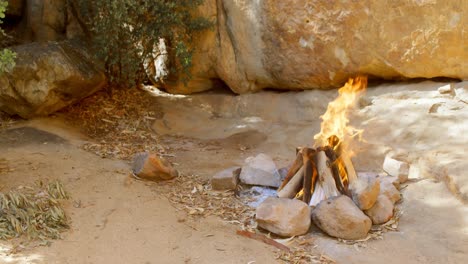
(117, 222)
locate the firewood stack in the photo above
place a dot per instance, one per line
(318, 174)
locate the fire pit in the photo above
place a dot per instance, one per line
(342, 203)
(326, 171)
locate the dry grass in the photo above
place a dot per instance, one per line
(35, 212)
(118, 120)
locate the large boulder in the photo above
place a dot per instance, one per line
(48, 77)
(297, 44)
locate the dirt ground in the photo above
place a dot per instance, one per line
(117, 220)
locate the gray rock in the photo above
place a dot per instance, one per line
(260, 170)
(364, 191)
(388, 189)
(284, 217)
(48, 77)
(396, 168)
(382, 210)
(340, 217)
(226, 179)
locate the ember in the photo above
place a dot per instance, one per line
(326, 170)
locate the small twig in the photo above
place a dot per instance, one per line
(264, 239)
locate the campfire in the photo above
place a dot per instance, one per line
(322, 185)
(326, 170)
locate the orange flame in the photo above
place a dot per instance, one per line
(335, 120)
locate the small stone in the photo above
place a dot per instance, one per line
(445, 89)
(364, 191)
(382, 210)
(260, 170)
(283, 216)
(226, 179)
(339, 217)
(389, 190)
(150, 166)
(396, 168)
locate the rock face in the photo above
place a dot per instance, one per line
(15, 8)
(43, 20)
(48, 77)
(297, 44)
(260, 170)
(226, 179)
(340, 217)
(382, 210)
(284, 217)
(364, 191)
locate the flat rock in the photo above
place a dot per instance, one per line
(260, 170)
(283, 216)
(226, 179)
(364, 191)
(340, 217)
(389, 190)
(382, 210)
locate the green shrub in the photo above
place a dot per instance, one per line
(124, 32)
(7, 57)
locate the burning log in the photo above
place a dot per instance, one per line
(335, 166)
(301, 177)
(293, 186)
(310, 173)
(348, 164)
(326, 180)
(319, 174)
(294, 168)
(327, 171)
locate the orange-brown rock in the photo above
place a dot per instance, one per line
(297, 44)
(150, 166)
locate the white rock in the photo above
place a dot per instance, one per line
(364, 191)
(445, 89)
(226, 179)
(414, 172)
(260, 170)
(396, 168)
(382, 210)
(283, 216)
(340, 217)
